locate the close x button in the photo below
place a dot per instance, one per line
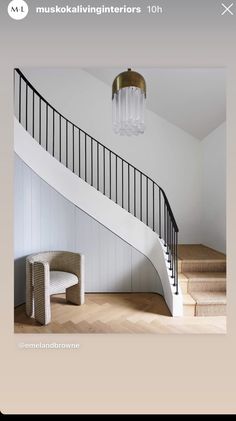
(227, 9)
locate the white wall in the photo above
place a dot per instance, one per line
(45, 220)
(213, 149)
(165, 153)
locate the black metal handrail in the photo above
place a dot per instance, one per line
(94, 162)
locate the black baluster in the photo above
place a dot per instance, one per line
(26, 107)
(122, 182)
(19, 99)
(97, 166)
(176, 268)
(153, 206)
(176, 272)
(174, 260)
(33, 114)
(40, 121)
(135, 192)
(91, 140)
(165, 224)
(128, 188)
(160, 231)
(116, 181)
(141, 197)
(172, 249)
(104, 171)
(168, 234)
(173, 256)
(79, 154)
(14, 90)
(53, 132)
(110, 171)
(167, 231)
(46, 127)
(60, 138)
(169, 241)
(73, 148)
(66, 143)
(85, 157)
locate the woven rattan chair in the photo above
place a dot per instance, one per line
(51, 273)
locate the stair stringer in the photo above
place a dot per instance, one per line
(101, 208)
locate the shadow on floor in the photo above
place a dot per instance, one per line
(138, 301)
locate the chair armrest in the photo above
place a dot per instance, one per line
(41, 272)
(41, 279)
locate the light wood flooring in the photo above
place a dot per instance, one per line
(117, 313)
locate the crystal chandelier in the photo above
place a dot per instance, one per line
(128, 103)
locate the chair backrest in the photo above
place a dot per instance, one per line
(58, 260)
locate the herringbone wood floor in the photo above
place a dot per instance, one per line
(116, 313)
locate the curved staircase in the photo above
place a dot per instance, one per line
(100, 182)
(119, 196)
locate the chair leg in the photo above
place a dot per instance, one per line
(73, 295)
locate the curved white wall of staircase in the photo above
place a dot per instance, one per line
(105, 211)
(46, 220)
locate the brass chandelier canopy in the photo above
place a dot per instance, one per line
(127, 79)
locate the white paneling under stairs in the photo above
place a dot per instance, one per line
(45, 220)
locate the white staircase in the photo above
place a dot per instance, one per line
(100, 182)
(101, 208)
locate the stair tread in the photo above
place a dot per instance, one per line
(188, 300)
(205, 276)
(182, 277)
(199, 252)
(200, 260)
(209, 297)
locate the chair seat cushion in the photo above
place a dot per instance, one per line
(59, 281)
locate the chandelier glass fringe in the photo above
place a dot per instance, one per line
(128, 103)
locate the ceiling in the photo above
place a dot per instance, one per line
(193, 99)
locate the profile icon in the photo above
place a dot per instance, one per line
(18, 9)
